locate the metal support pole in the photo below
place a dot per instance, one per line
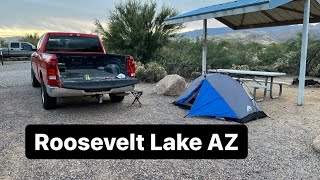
(266, 88)
(204, 47)
(1, 55)
(304, 52)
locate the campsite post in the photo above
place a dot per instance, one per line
(1, 55)
(204, 47)
(304, 51)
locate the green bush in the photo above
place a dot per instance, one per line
(140, 71)
(151, 73)
(31, 38)
(180, 57)
(3, 43)
(195, 74)
(316, 71)
(184, 56)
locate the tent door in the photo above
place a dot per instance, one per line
(189, 102)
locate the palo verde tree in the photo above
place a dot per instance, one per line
(138, 29)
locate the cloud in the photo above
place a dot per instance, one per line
(19, 17)
(20, 32)
(67, 24)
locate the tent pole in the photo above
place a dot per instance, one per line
(204, 47)
(304, 52)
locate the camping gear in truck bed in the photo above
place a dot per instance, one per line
(93, 72)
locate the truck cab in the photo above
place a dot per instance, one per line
(18, 49)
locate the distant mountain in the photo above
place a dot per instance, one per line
(10, 39)
(281, 33)
(246, 36)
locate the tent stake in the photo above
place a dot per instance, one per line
(304, 52)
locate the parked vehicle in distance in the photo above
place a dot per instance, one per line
(18, 49)
(72, 64)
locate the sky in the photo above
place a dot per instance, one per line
(18, 17)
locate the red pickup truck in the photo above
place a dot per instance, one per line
(72, 64)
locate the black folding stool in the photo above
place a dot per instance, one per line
(137, 95)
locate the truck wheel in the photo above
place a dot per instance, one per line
(47, 101)
(114, 98)
(34, 80)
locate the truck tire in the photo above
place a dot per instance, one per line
(116, 99)
(34, 80)
(47, 101)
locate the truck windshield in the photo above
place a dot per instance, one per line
(73, 44)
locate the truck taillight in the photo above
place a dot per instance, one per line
(130, 67)
(52, 74)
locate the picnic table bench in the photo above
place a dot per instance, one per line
(267, 84)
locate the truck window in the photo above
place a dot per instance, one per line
(15, 45)
(73, 44)
(26, 47)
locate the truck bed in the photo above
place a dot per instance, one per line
(86, 72)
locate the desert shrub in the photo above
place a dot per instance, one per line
(315, 71)
(270, 54)
(184, 56)
(3, 43)
(32, 38)
(138, 64)
(195, 74)
(313, 59)
(154, 72)
(140, 70)
(151, 73)
(290, 63)
(180, 57)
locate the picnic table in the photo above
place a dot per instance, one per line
(267, 84)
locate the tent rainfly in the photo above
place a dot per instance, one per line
(246, 14)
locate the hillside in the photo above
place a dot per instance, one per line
(278, 34)
(246, 36)
(10, 39)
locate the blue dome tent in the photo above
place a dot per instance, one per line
(220, 96)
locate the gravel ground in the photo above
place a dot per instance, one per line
(279, 147)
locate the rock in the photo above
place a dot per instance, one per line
(171, 85)
(316, 144)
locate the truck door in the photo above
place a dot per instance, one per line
(26, 50)
(35, 58)
(14, 49)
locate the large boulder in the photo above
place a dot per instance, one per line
(316, 144)
(171, 85)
